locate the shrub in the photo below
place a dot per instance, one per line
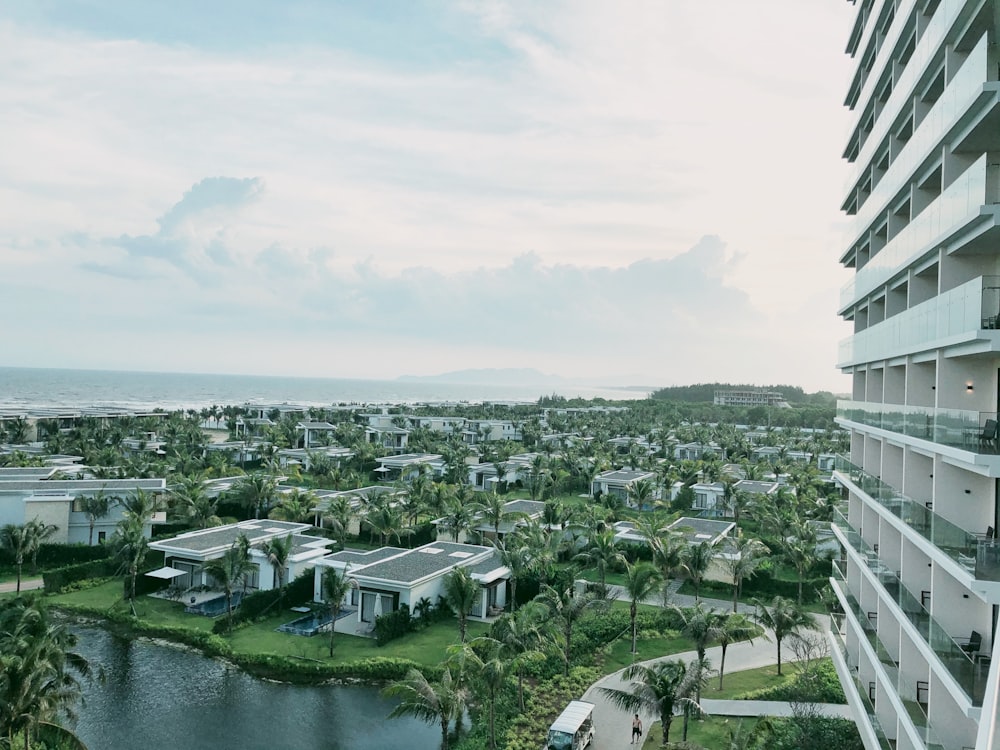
(61, 555)
(548, 699)
(393, 625)
(256, 605)
(57, 579)
(817, 684)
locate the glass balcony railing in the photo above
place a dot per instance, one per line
(956, 99)
(904, 686)
(978, 554)
(956, 428)
(927, 45)
(838, 631)
(970, 307)
(959, 202)
(959, 663)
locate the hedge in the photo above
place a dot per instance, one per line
(60, 555)
(255, 605)
(59, 578)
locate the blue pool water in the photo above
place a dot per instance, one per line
(311, 624)
(214, 607)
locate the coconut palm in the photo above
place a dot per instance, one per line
(657, 689)
(566, 609)
(231, 571)
(641, 581)
(17, 541)
(129, 546)
(799, 548)
(747, 555)
(730, 629)
(460, 591)
(696, 559)
(338, 513)
(387, 521)
(641, 492)
(255, 492)
(524, 638)
(458, 517)
(484, 665)
(492, 511)
(37, 531)
(784, 618)
(295, 506)
(601, 553)
(336, 585)
(278, 550)
(141, 505)
(39, 672)
(95, 507)
(698, 624)
(516, 557)
(442, 700)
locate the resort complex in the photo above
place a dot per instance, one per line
(918, 577)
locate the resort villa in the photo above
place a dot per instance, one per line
(27, 494)
(383, 580)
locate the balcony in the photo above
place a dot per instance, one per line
(977, 553)
(958, 205)
(956, 428)
(960, 665)
(884, 742)
(960, 312)
(915, 710)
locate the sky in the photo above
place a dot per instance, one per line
(625, 193)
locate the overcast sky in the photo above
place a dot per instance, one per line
(640, 192)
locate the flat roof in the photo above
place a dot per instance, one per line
(414, 564)
(83, 485)
(624, 475)
(697, 530)
(209, 540)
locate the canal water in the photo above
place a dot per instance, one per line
(156, 697)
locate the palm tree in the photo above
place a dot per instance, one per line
(387, 521)
(523, 637)
(129, 546)
(442, 700)
(483, 662)
(641, 492)
(516, 557)
(336, 584)
(278, 550)
(733, 627)
(16, 540)
(255, 492)
(458, 517)
(39, 672)
(460, 592)
(37, 531)
(295, 506)
(783, 617)
(601, 553)
(641, 581)
(747, 556)
(491, 510)
(657, 688)
(800, 550)
(231, 571)
(698, 624)
(95, 507)
(141, 505)
(338, 513)
(696, 559)
(566, 610)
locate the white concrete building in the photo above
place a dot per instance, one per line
(918, 578)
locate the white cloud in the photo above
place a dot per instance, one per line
(548, 207)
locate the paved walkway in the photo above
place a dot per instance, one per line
(27, 584)
(614, 726)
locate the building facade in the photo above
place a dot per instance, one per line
(917, 579)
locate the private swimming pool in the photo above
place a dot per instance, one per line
(312, 623)
(214, 607)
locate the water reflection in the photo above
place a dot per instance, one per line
(159, 698)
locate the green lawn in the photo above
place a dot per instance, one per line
(424, 647)
(620, 654)
(712, 732)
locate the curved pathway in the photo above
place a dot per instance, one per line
(27, 584)
(614, 726)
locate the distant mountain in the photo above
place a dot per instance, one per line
(489, 376)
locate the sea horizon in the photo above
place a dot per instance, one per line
(73, 388)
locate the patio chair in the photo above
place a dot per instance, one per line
(989, 434)
(972, 644)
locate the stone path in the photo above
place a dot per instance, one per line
(614, 726)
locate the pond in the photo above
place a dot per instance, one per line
(156, 697)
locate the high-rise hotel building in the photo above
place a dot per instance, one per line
(918, 578)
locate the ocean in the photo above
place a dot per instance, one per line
(26, 388)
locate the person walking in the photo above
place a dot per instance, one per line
(636, 730)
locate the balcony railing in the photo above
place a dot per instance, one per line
(903, 686)
(956, 205)
(838, 632)
(959, 664)
(956, 428)
(978, 554)
(967, 308)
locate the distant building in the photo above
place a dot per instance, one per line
(749, 397)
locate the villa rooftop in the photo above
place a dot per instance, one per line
(223, 537)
